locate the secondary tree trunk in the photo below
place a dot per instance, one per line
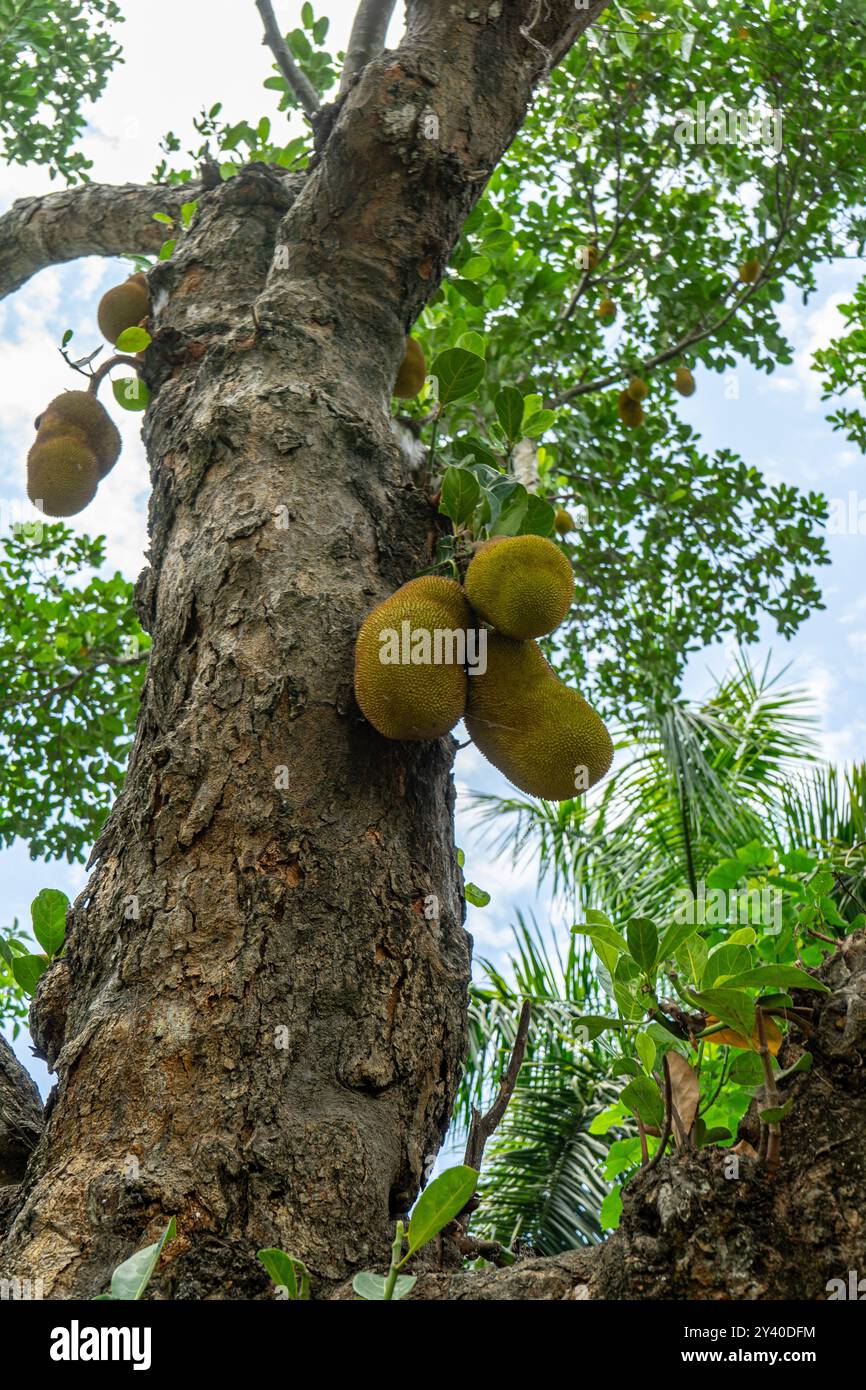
(257, 1029)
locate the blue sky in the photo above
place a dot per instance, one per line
(777, 424)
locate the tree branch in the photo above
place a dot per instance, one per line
(299, 84)
(367, 39)
(92, 219)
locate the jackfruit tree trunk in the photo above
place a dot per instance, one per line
(258, 1028)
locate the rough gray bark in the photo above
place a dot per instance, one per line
(20, 1116)
(92, 219)
(691, 1230)
(264, 1030)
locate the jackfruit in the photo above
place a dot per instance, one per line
(62, 474)
(684, 382)
(629, 410)
(412, 373)
(123, 307)
(410, 677)
(521, 585)
(637, 389)
(607, 309)
(749, 271)
(81, 412)
(542, 735)
(588, 256)
(563, 522)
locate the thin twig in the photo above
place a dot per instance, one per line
(772, 1148)
(483, 1126)
(298, 82)
(666, 1127)
(120, 359)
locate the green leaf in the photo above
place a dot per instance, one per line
(734, 1008)
(727, 874)
(646, 1050)
(459, 374)
(130, 1279)
(475, 268)
(67, 337)
(785, 976)
(164, 218)
(797, 861)
(28, 970)
(775, 1114)
(611, 1210)
(537, 423)
(48, 913)
(643, 942)
(286, 1272)
(691, 957)
(369, 1286)
(747, 1069)
(167, 249)
(187, 212)
(509, 411)
(440, 1203)
(473, 342)
(604, 932)
(539, 517)
(597, 1023)
(643, 1098)
(674, 937)
(460, 493)
(131, 393)
(133, 340)
(476, 896)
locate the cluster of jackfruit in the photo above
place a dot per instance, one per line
(77, 444)
(542, 735)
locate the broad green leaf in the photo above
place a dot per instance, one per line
(28, 970)
(643, 942)
(475, 268)
(539, 518)
(460, 493)
(287, 1273)
(646, 1050)
(459, 374)
(785, 976)
(643, 1098)
(596, 1024)
(440, 1203)
(691, 957)
(775, 1114)
(133, 340)
(727, 874)
(733, 1007)
(473, 342)
(611, 1210)
(48, 913)
(509, 411)
(476, 896)
(602, 931)
(673, 938)
(130, 1279)
(131, 393)
(370, 1286)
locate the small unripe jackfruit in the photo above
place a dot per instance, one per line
(410, 677)
(637, 389)
(123, 307)
(629, 410)
(749, 271)
(684, 382)
(607, 309)
(588, 256)
(412, 373)
(521, 585)
(62, 474)
(542, 735)
(81, 411)
(563, 522)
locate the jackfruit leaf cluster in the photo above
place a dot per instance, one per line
(746, 940)
(72, 661)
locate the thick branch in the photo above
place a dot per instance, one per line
(299, 84)
(92, 219)
(367, 39)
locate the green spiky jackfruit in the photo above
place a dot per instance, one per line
(62, 474)
(412, 373)
(522, 585)
(410, 677)
(563, 522)
(78, 414)
(637, 389)
(123, 306)
(542, 735)
(750, 270)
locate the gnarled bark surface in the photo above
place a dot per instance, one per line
(264, 1031)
